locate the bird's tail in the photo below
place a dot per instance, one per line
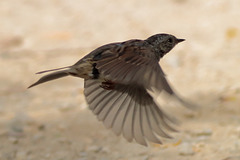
(51, 76)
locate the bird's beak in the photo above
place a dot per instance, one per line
(180, 40)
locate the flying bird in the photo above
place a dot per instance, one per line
(117, 80)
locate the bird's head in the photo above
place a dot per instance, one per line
(163, 43)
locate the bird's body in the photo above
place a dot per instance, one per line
(117, 78)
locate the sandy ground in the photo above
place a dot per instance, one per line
(52, 121)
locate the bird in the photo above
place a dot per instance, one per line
(118, 78)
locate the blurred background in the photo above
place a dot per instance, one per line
(51, 121)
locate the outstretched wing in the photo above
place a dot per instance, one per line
(129, 110)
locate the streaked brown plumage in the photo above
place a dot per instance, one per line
(117, 78)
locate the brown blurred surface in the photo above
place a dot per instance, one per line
(52, 121)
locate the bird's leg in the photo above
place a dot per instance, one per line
(108, 85)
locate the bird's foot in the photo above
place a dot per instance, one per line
(108, 85)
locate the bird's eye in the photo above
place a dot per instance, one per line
(170, 40)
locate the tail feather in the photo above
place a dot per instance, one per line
(50, 77)
(50, 70)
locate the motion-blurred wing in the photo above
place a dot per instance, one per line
(131, 64)
(128, 110)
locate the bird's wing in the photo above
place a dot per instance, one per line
(129, 63)
(129, 110)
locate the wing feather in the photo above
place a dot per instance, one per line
(128, 109)
(133, 66)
